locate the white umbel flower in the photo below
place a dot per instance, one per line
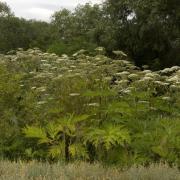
(133, 76)
(74, 94)
(166, 98)
(93, 104)
(173, 79)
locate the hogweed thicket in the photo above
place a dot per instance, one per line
(89, 108)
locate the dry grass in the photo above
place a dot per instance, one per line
(83, 171)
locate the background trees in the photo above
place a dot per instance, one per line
(20, 33)
(147, 30)
(5, 10)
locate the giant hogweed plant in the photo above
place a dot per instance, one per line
(88, 108)
(74, 134)
(62, 137)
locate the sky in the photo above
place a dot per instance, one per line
(42, 9)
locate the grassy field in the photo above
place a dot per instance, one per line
(78, 171)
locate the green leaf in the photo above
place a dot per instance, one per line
(53, 130)
(99, 93)
(78, 151)
(107, 136)
(161, 151)
(57, 151)
(36, 132)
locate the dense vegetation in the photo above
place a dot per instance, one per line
(114, 102)
(90, 108)
(147, 30)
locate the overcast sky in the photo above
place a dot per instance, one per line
(42, 9)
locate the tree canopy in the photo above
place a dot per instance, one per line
(5, 10)
(148, 31)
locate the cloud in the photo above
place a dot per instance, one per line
(38, 13)
(42, 9)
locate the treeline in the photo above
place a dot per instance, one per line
(146, 30)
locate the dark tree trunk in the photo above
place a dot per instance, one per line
(67, 141)
(92, 152)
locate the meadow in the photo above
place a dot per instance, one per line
(84, 171)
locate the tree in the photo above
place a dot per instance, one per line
(16, 33)
(81, 29)
(147, 30)
(63, 24)
(5, 10)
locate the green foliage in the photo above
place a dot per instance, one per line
(35, 132)
(59, 136)
(88, 106)
(58, 48)
(62, 47)
(108, 136)
(91, 108)
(147, 31)
(15, 33)
(4, 10)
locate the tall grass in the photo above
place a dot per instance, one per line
(84, 171)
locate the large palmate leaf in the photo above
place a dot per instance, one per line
(78, 151)
(79, 118)
(36, 132)
(69, 123)
(53, 130)
(108, 136)
(56, 151)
